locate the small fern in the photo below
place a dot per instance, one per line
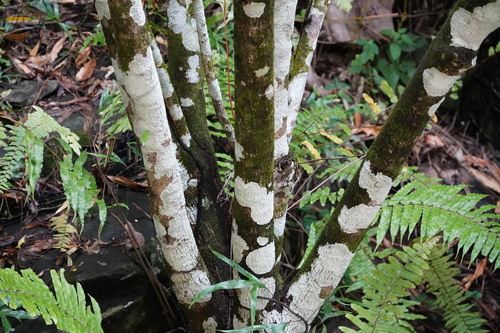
(67, 309)
(441, 208)
(11, 161)
(81, 189)
(450, 296)
(385, 305)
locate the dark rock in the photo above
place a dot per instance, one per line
(26, 92)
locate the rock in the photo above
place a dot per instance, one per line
(26, 92)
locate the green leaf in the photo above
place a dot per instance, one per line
(395, 51)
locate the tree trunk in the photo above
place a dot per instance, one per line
(166, 106)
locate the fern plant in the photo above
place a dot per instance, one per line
(66, 309)
(440, 208)
(385, 304)
(449, 296)
(24, 148)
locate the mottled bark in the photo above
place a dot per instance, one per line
(253, 228)
(171, 170)
(270, 80)
(452, 52)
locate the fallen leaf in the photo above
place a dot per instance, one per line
(126, 182)
(21, 242)
(34, 50)
(433, 141)
(136, 235)
(467, 281)
(83, 56)
(21, 68)
(484, 179)
(55, 50)
(86, 71)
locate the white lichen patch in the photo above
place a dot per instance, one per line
(137, 13)
(296, 90)
(261, 72)
(156, 53)
(238, 244)
(178, 244)
(187, 285)
(214, 90)
(470, 29)
(269, 93)
(284, 13)
(190, 37)
(241, 324)
(255, 197)
(192, 74)
(186, 139)
(186, 102)
(261, 260)
(377, 186)
(254, 9)
(357, 217)
(166, 85)
(279, 225)
(238, 151)
(177, 16)
(268, 292)
(312, 289)
(176, 112)
(103, 9)
(433, 108)
(437, 83)
(210, 325)
(262, 241)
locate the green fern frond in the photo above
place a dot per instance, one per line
(67, 309)
(363, 262)
(42, 125)
(14, 149)
(442, 208)
(450, 296)
(80, 188)
(385, 305)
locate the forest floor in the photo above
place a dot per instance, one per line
(54, 57)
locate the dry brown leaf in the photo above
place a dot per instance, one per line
(475, 161)
(369, 130)
(138, 237)
(41, 245)
(467, 281)
(433, 141)
(126, 182)
(22, 68)
(55, 50)
(86, 71)
(83, 56)
(358, 119)
(484, 179)
(34, 50)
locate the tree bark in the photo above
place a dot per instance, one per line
(165, 104)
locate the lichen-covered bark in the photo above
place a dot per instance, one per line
(253, 233)
(210, 74)
(185, 68)
(127, 36)
(451, 53)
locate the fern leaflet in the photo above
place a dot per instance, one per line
(67, 309)
(450, 296)
(442, 208)
(385, 303)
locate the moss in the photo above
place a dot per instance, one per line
(128, 45)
